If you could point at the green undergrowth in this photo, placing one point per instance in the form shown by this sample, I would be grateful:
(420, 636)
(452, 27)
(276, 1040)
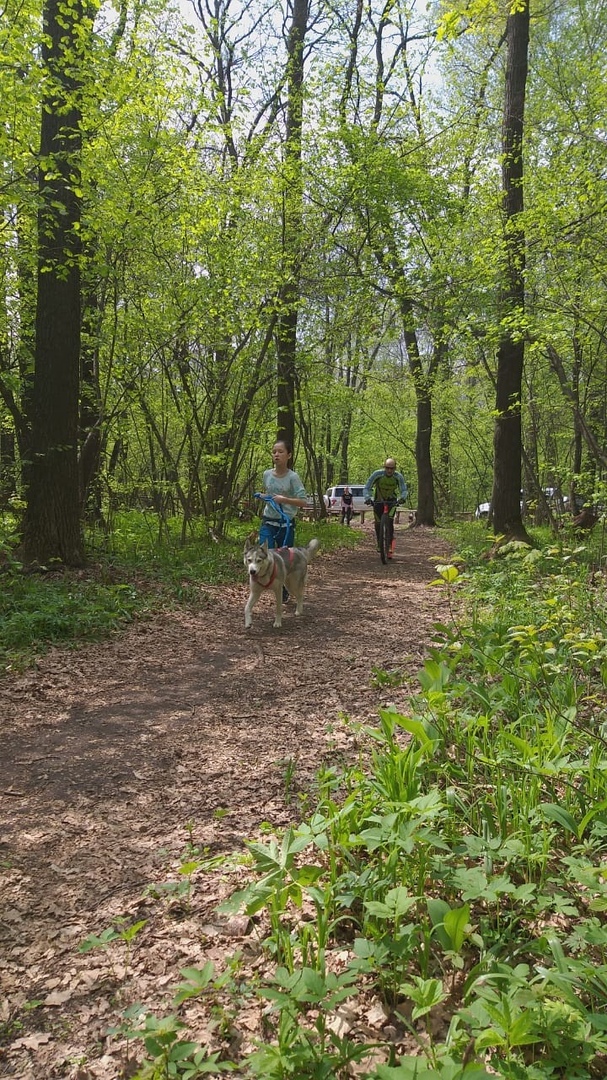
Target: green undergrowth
(455, 881)
(137, 568)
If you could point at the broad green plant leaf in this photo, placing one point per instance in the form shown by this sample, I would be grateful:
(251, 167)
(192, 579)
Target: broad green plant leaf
(449, 923)
(455, 922)
(416, 1068)
(597, 809)
(558, 814)
(396, 903)
(447, 575)
(424, 993)
(196, 980)
(416, 728)
(434, 676)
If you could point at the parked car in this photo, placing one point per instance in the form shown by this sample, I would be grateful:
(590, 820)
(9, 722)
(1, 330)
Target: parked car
(579, 503)
(314, 501)
(556, 501)
(482, 510)
(333, 498)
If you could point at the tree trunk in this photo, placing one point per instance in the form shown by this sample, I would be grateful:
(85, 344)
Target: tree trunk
(91, 439)
(286, 327)
(8, 466)
(52, 530)
(425, 479)
(444, 437)
(423, 383)
(507, 439)
(583, 431)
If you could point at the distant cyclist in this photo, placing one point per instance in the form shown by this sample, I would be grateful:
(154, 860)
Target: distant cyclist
(385, 485)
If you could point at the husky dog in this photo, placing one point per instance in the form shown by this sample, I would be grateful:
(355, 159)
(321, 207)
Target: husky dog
(273, 568)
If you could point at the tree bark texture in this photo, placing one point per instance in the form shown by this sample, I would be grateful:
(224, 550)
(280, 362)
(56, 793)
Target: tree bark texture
(507, 441)
(286, 327)
(423, 382)
(52, 530)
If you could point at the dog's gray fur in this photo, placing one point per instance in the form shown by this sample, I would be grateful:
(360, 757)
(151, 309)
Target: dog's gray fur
(270, 569)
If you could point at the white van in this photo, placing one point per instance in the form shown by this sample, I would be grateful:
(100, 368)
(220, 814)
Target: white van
(333, 498)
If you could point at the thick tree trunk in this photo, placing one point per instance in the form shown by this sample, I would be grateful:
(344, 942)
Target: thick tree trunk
(507, 440)
(52, 530)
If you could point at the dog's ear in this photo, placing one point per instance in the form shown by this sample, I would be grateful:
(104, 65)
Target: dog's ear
(250, 540)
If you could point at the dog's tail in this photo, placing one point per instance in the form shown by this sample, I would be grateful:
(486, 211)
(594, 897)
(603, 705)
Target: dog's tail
(312, 549)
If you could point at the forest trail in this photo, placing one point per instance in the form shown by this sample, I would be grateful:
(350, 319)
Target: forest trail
(182, 727)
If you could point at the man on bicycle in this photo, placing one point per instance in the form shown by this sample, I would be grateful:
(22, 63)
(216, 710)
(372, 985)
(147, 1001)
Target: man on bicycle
(385, 485)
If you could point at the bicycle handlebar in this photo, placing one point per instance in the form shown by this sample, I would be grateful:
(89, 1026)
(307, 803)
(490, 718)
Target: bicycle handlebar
(395, 502)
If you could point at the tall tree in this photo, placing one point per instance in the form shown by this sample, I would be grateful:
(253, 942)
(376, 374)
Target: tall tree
(52, 529)
(292, 200)
(507, 441)
(385, 139)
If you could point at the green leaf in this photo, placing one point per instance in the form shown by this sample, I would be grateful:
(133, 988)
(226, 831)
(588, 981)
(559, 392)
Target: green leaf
(129, 932)
(189, 868)
(424, 993)
(455, 922)
(521, 1032)
(553, 812)
(448, 573)
(598, 808)
(101, 942)
(197, 980)
(488, 1039)
(434, 676)
(399, 900)
(437, 909)
(308, 874)
(377, 908)
(415, 728)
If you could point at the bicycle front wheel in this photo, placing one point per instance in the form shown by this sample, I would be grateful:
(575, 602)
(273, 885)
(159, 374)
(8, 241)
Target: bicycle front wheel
(385, 536)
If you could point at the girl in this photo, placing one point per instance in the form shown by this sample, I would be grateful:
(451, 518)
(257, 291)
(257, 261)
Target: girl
(287, 490)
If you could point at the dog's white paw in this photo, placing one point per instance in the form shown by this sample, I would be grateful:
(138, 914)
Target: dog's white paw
(277, 624)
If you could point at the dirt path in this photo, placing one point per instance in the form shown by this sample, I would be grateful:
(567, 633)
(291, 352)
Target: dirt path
(184, 727)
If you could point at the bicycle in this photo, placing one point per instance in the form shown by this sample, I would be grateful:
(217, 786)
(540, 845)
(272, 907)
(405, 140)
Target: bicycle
(386, 526)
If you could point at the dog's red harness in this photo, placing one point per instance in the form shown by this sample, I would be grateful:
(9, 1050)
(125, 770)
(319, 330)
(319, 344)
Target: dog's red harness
(289, 560)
